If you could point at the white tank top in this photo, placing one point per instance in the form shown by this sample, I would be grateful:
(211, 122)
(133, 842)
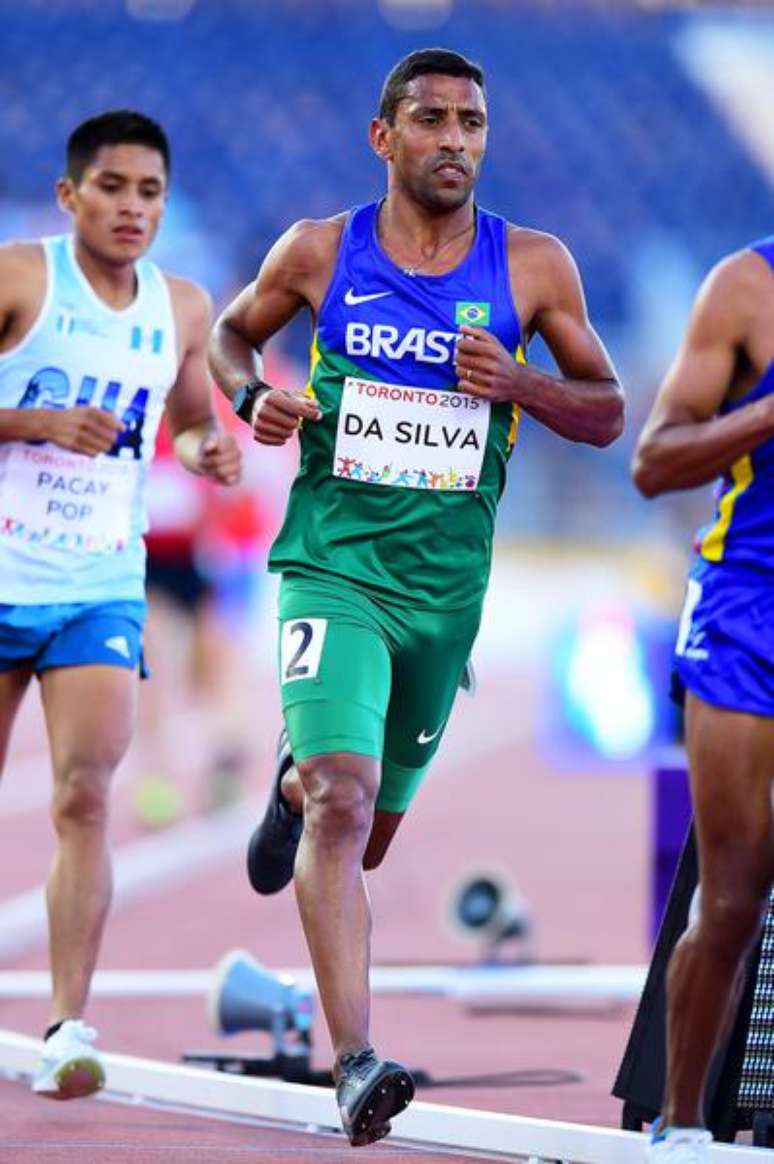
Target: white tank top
(70, 525)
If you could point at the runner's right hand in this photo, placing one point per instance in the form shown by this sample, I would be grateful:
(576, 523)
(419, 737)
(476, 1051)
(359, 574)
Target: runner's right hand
(83, 429)
(278, 414)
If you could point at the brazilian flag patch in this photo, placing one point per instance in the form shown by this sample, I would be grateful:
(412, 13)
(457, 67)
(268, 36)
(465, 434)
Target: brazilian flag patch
(474, 314)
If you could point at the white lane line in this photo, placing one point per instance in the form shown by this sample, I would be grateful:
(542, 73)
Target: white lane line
(500, 984)
(422, 1123)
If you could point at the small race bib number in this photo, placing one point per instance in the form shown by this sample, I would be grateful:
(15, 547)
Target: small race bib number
(55, 498)
(410, 438)
(301, 645)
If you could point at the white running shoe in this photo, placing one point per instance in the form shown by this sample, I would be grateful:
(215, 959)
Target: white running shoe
(679, 1146)
(70, 1066)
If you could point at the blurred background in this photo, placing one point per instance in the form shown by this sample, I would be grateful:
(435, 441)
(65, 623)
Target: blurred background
(639, 133)
(642, 135)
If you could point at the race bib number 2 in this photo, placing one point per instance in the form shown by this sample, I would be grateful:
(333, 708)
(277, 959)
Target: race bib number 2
(301, 646)
(410, 438)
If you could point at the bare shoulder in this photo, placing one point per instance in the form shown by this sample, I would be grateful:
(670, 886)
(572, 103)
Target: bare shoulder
(22, 289)
(741, 276)
(538, 250)
(190, 302)
(310, 242)
(732, 295)
(192, 310)
(24, 263)
(544, 277)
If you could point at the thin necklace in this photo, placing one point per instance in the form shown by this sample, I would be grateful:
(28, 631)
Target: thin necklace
(416, 268)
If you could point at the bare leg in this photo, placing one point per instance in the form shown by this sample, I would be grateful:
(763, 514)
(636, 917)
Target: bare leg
(384, 827)
(90, 714)
(383, 830)
(339, 794)
(731, 758)
(13, 685)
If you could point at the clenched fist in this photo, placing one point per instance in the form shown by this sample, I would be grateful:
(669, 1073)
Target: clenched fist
(278, 414)
(83, 429)
(220, 458)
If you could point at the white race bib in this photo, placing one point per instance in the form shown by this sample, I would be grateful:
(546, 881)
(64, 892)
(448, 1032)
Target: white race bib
(54, 498)
(412, 438)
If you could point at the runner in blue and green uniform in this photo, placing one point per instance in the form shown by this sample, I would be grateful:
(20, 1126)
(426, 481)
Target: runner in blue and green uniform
(422, 306)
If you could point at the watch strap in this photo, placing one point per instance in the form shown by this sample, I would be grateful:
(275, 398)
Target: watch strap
(243, 400)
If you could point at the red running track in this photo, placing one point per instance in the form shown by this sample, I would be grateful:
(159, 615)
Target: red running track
(575, 844)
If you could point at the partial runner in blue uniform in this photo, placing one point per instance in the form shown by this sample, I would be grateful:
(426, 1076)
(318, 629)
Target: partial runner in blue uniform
(714, 417)
(95, 343)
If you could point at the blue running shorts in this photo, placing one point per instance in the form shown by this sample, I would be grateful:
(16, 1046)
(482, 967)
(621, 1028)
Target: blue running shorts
(72, 634)
(725, 644)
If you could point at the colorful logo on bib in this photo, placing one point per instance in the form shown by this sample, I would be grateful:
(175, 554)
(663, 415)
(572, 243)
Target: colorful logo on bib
(474, 314)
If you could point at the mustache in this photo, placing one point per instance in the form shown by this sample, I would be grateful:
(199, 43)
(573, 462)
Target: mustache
(451, 160)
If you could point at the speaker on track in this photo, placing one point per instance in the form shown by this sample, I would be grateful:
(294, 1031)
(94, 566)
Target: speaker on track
(246, 996)
(484, 906)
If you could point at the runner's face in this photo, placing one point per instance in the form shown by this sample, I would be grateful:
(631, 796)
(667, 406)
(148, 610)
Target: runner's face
(118, 203)
(438, 140)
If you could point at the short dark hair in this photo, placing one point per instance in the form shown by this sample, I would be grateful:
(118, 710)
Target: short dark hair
(116, 127)
(416, 64)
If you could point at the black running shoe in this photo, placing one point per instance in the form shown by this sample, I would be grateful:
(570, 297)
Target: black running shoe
(271, 852)
(369, 1091)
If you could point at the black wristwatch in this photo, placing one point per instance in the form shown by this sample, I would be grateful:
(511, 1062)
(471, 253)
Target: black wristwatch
(243, 400)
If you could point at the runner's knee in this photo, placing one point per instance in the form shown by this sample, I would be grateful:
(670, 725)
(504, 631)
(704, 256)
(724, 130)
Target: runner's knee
(731, 919)
(81, 798)
(339, 795)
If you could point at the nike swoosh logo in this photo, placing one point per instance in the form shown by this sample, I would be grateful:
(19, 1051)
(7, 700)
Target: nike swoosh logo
(352, 300)
(424, 738)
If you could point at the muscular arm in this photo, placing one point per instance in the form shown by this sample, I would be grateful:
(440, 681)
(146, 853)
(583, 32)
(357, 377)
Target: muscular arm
(258, 312)
(294, 275)
(586, 402)
(200, 444)
(684, 442)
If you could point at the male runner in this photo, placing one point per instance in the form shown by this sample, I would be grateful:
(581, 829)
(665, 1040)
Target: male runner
(93, 341)
(714, 416)
(422, 305)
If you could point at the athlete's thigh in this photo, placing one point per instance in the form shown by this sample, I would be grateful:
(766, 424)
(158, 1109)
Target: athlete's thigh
(334, 670)
(731, 761)
(426, 675)
(90, 715)
(13, 685)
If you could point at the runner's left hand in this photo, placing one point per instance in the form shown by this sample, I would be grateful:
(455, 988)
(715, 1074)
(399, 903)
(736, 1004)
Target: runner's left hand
(484, 367)
(220, 458)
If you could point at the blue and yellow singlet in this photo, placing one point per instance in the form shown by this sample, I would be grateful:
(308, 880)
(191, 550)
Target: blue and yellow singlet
(742, 530)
